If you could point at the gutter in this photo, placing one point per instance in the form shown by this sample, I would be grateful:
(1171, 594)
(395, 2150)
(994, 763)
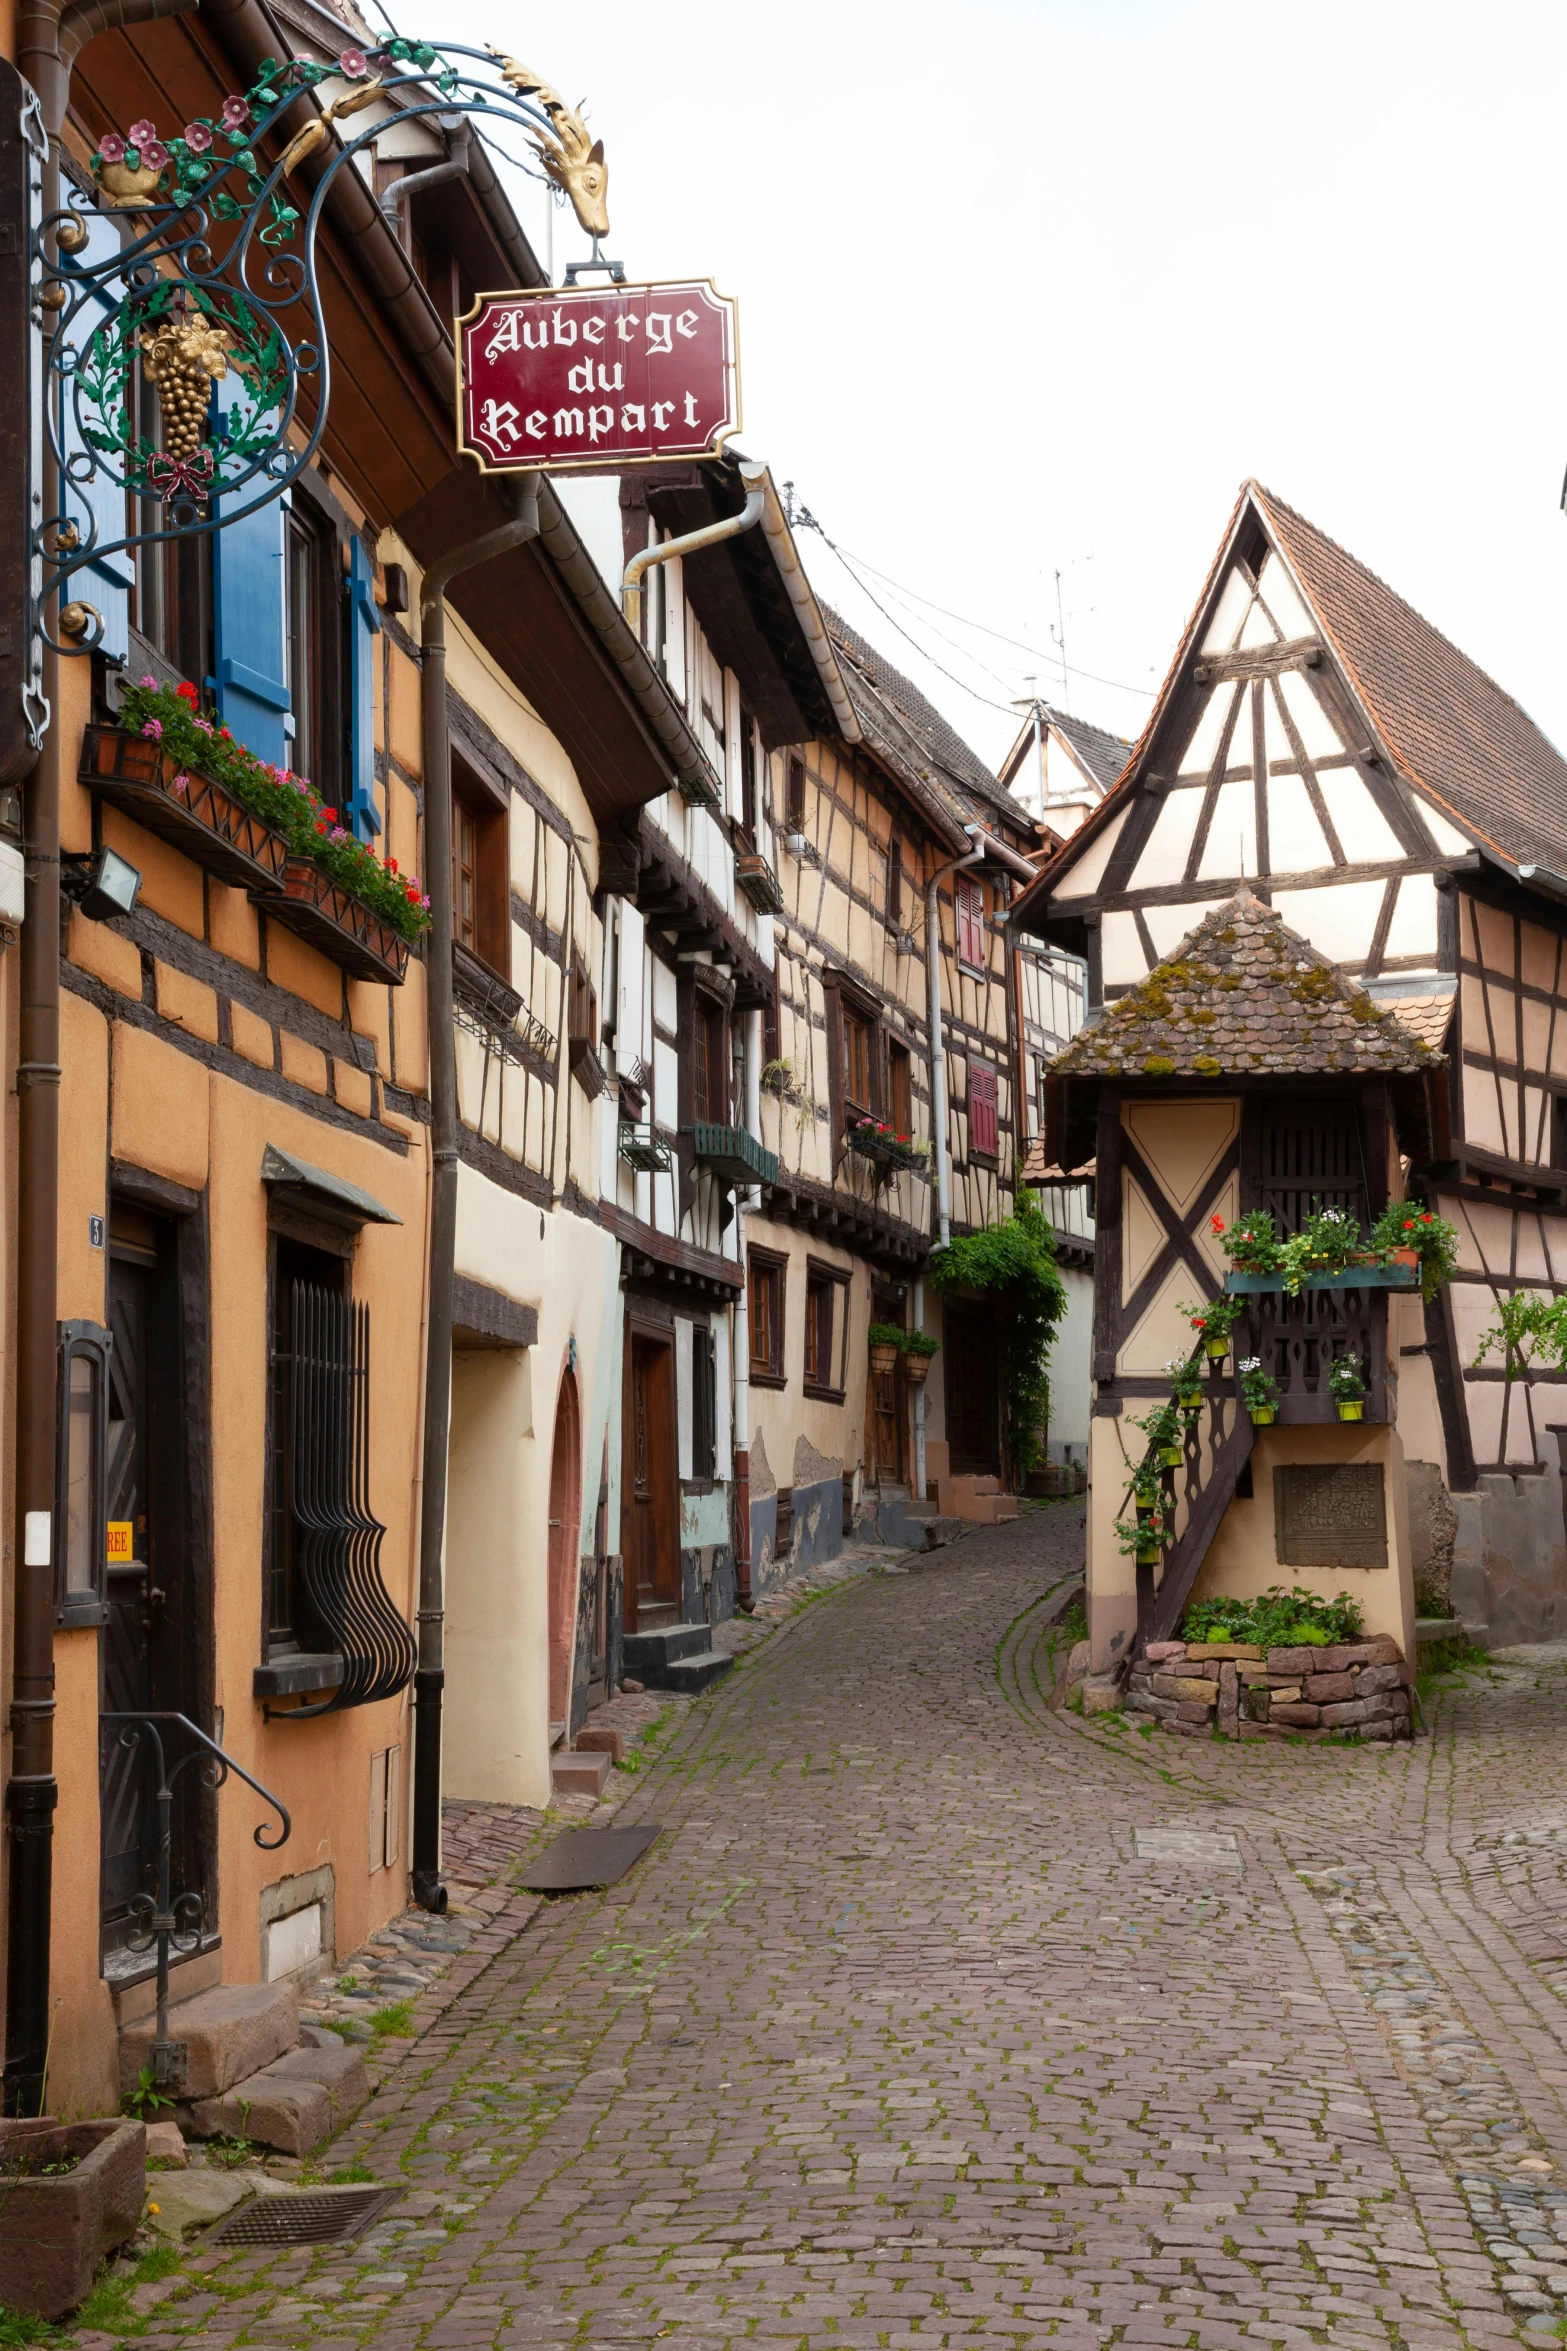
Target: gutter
(807, 611)
(938, 1043)
(430, 1673)
(710, 535)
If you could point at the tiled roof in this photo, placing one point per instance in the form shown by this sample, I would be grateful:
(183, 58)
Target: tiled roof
(1242, 994)
(1449, 726)
(1037, 1169)
(1426, 1017)
(1103, 754)
(889, 705)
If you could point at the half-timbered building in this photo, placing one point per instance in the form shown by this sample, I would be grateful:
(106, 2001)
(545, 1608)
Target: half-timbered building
(1318, 743)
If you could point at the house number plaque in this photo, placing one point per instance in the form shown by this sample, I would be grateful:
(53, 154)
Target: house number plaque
(1332, 1514)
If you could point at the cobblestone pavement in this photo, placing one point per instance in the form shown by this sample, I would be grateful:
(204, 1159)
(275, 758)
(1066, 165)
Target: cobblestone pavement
(936, 2016)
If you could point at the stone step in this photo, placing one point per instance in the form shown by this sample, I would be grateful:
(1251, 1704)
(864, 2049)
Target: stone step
(230, 2032)
(295, 2103)
(695, 1674)
(648, 1650)
(576, 1773)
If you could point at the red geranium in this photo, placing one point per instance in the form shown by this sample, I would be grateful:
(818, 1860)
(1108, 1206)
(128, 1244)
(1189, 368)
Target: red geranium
(187, 693)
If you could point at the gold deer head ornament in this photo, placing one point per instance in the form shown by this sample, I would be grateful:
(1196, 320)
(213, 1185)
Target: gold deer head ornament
(573, 161)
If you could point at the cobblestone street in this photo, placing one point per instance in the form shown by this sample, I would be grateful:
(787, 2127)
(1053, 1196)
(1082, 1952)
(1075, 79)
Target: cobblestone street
(935, 2016)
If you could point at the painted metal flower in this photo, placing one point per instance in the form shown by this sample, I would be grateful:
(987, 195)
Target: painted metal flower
(355, 64)
(235, 114)
(198, 137)
(154, 155)
(111, 147)
(143, 133)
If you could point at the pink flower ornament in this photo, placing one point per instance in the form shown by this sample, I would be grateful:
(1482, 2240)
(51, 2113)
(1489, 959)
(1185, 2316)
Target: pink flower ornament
(354, 63)
(143, 133)
(235, 114)
(198, 138)
(111, 147)
(154, 155)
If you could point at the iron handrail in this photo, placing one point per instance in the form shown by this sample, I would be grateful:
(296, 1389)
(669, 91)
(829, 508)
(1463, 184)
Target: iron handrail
(169, 1921)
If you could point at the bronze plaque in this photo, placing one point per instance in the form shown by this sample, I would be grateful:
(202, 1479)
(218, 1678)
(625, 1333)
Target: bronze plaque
(1330, 1514)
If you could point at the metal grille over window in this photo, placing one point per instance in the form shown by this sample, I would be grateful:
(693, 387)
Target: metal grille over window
(334, 1538)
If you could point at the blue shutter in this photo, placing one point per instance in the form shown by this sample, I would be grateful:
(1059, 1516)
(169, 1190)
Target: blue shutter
(107, 584)
(248, 590)
(364, 626)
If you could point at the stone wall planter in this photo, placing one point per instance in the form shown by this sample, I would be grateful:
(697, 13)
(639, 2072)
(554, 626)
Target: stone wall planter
(1358, 1689)
(346, 930)
(54, 2231)
(204, 820)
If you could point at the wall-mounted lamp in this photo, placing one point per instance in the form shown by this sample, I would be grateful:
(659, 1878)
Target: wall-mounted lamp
(103, 884)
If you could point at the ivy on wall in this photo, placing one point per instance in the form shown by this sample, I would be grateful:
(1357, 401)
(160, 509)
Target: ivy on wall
(1015, 1263)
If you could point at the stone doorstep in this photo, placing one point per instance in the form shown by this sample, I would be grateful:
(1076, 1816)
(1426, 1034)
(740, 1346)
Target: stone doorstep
(580, 1772)
(230, 2032)
(602, 1739)
(293, 2104)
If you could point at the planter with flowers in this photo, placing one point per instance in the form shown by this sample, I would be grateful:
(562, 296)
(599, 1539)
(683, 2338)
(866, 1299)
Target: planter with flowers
(918, 1348)
(1347, 1385)
(1163, 1431)
(1260, 1392)
(1184, 1374)
(1407, 1246)
(873, 1139)
(1213, 1323)
(886, 1345)
(181, 773)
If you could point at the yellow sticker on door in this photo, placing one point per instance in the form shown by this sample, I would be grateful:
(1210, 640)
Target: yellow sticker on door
(119, 1541)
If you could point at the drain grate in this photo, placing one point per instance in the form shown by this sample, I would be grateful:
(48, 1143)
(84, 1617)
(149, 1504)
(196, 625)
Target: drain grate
(313, 2216)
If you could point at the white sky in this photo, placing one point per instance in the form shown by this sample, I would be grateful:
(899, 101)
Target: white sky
(1028, 287)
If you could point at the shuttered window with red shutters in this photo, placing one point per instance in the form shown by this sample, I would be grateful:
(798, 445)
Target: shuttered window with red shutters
(982, 1134)
(969, 904)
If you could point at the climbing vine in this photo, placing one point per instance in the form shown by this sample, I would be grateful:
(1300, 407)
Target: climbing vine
(1015, 1262)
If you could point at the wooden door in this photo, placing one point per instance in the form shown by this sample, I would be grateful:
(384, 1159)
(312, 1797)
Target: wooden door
(128, 1846)
(969, 1343)
(650, 1484)
(565, 1520)
(885, 1406)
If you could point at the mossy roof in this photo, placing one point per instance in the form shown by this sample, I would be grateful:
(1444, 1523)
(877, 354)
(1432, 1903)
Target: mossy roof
(1244, 996)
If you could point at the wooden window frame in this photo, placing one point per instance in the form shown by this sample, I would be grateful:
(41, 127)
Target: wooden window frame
(710, 1022)
(984, 1089)
(900, 1082)
(769, 1371)
(895, 884)
(858, 1024)
(704, 1407)
(968, 922)
(819, 1276)
(480, 804)
(794, 794)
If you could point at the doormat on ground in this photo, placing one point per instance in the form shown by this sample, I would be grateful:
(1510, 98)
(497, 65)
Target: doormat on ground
(586, 1857)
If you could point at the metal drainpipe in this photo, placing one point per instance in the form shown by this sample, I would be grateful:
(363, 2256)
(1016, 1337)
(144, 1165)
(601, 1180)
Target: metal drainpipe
(48, 41)
(730, 528)
(938, 1051)
(751, 1197)
(430, 1676)
(454, 167)
(919, 1403)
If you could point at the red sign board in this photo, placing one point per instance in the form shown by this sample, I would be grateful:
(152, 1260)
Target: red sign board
(631, 375)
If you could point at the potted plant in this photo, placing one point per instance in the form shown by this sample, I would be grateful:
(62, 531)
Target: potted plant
(1163, 1430)
(1260, 1391)
(1184, 1374)
(918, 1348)
(1348, 1386)
(1408, 1234)
(1251, 1243)
(1213, 1324)
(1143, 1537)
(886, 1345)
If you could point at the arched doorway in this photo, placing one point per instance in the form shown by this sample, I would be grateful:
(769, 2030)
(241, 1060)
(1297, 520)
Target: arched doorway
(565, 1528)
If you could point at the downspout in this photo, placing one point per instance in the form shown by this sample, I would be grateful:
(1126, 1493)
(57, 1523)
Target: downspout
(730, 528)
(919, 1402)
(750, 1197)
(430, 1674)
(48, 40)
(453, 167)
(938, 1049)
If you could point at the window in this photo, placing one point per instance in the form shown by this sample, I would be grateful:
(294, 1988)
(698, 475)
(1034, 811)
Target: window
(750, 760)
(895, 885)
(826, 1330)
(982, 1131)
(766, 1317)
(969, 906)
(856, 1060)
(794, 794)
(298, 1271)
(481, 884)
(900, 1089)
(81, 1500)
(709, 1075)
(704, 1402)
(385, 1808)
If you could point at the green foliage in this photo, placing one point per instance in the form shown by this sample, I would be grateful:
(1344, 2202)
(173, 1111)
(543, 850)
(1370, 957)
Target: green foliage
(1258, 1387)
(394, 2022)
(1526, 1329)
(188, 738)
(1016, 1262)
(1278, 1620)
(886, 1334)
(1251, 1243)
(1162, 1428)
(143, 2102)
(1409, 1224)
(1217, 1319)
(1144, 1531)
(1346, 1380)
(20, 2326)
(921, 1343)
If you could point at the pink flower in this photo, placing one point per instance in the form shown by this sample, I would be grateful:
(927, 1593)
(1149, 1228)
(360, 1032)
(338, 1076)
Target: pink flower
(148, 680)
(425, 903)
(198, 138)
(235, 114)
(337, 834)
(354, 63)
(111, 147)
(154, 155)
(152, 728)
(143, 133)
(182, 784)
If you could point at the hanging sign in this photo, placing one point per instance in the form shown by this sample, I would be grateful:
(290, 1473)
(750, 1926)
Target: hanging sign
(631, 375)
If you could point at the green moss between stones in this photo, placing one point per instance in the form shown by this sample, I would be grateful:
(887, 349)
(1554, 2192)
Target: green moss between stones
(1207, 1067)
(1159, 1065)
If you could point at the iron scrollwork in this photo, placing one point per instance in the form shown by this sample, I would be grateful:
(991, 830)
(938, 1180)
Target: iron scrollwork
(185, 280)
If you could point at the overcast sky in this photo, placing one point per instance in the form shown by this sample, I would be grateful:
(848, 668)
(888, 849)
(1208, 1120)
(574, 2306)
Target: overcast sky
(1033, 288)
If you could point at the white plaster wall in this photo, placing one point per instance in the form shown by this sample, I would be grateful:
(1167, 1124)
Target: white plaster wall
(1071, 1359)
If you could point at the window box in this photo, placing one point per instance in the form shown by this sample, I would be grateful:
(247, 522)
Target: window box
(700, 792)
(586, 1067)
(205, 820)
(643, 1147)
(759, 882)
(288, 1674)
(887, 1151)
(733, 1154)
(1353, 1277)
(346, 930)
